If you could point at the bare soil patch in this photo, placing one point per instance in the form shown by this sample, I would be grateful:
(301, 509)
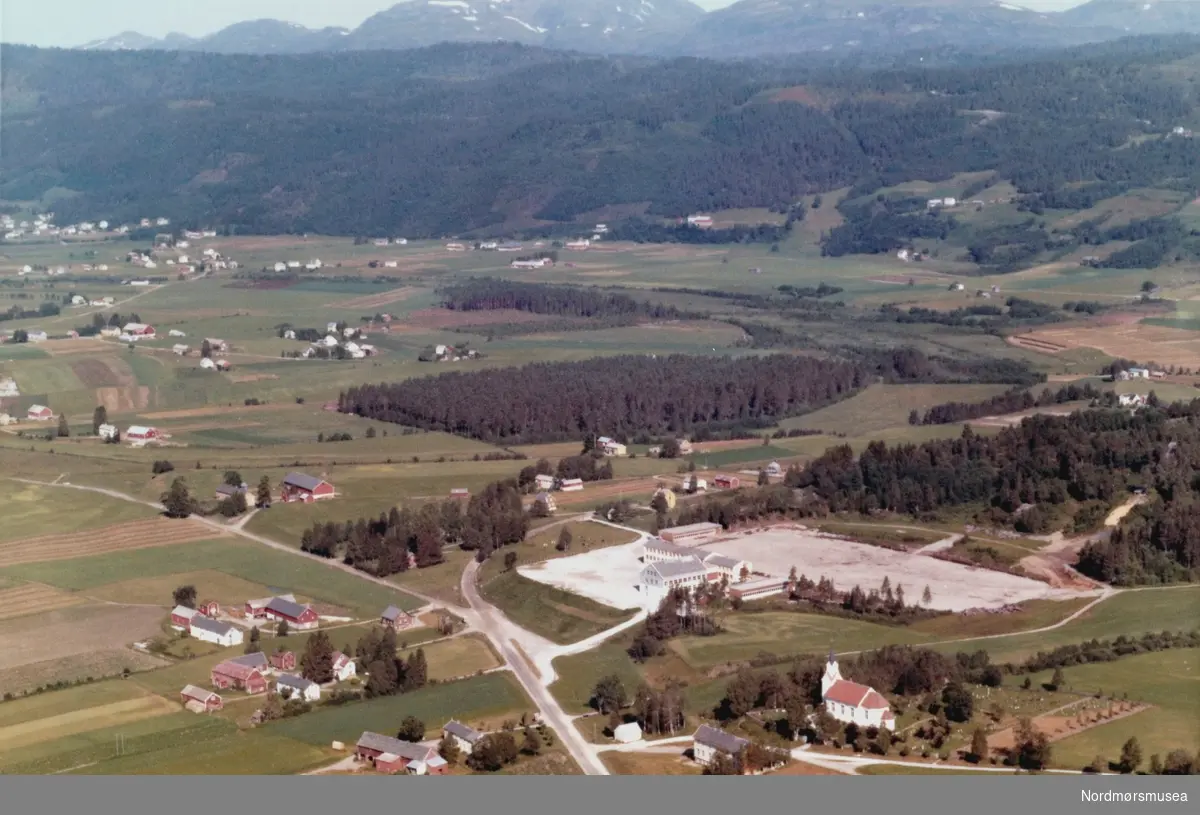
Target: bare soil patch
(605, 490)
(1075, 719)
(96, 373)
(34, 598)
(102, 662)
(133, 535)
(75, 631)
(797, 93)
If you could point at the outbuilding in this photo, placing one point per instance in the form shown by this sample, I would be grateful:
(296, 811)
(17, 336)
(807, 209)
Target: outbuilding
(200, 699)
(300, 617)
(300, 687)
(305, 489)
(215, 631)
(628, 733)
(394, 617)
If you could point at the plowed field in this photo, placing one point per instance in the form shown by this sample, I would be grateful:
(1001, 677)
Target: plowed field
(33, 598)
(132, 535)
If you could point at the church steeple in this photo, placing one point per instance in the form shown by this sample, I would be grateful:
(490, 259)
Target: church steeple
(832, 673)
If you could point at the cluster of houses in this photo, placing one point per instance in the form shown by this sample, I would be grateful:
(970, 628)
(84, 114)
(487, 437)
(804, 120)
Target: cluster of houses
(939, 203)
(448, 353)
(348, 338)
(1139, 373)
(548, 484)
(388, 755)
(251, 673)
(43, 226)
(293, 265)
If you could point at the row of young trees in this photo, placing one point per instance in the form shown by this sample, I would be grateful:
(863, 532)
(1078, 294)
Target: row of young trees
(410, 537)
(489, 294)
(628, 394)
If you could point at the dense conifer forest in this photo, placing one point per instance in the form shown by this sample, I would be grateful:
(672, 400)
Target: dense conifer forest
(616, 396)
(455, 137)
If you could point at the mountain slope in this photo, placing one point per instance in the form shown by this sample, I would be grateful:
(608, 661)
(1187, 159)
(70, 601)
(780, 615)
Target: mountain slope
(1137, 16)
(471, 137)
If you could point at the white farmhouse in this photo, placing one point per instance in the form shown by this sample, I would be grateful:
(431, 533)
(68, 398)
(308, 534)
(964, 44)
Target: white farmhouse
(710, 742)
(215, 631)
(107, 431)
(343, 667)
(300, 687)
(851, 702)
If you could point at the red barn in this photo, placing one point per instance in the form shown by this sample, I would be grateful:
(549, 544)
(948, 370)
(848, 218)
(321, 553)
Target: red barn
(39, 413)
(460, 493)
(181, 617)
(211, 608)
(257, 609)
(727, 482)
(297, 616)
(192, 695)
(283, 661)
(140, 433)
(240, 677)
(305, 488)
(393, 617)
(388, 755)
(139, 330)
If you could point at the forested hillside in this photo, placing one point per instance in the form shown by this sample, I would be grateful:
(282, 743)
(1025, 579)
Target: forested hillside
(459, 137)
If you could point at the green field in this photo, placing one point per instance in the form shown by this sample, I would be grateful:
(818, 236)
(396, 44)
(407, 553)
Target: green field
(33, 511)
(880, 407)
(557, 615)
(252, 562)
(741, 455)
(485, 700)
(578, 673)
(1168, 680)
(787, 633)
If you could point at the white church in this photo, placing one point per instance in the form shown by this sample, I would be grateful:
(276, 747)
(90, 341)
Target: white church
(851, 702)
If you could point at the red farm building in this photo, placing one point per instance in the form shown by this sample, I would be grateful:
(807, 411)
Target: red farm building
(726, 482)
(388, 755)
(198, 699)
(299, 617)
(283, 661)
(239, 677)
(305, 488)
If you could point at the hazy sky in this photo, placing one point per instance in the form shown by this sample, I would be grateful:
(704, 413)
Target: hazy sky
(74, 22)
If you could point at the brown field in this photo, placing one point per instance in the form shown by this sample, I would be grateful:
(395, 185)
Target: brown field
(96, 373)
(1071, 721)
(375, 300)
(132, 535)
(803, 768)
(1165, 346)
(75, 631)
(608, 490)
(33, 598)
(797, 93)
(83, 345)
(96, 664)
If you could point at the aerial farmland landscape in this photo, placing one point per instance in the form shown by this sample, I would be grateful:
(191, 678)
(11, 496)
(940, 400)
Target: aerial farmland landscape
(872, 455)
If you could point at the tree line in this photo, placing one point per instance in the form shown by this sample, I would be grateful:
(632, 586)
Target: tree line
(1012, 401)
(489, 294)
(408, 537)
(609, 396)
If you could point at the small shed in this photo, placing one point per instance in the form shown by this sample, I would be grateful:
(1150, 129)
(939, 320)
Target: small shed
(205, 700)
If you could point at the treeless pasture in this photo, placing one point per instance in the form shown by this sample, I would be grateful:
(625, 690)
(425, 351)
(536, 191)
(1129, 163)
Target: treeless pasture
(133, 535)
(33, 598)
(1145, 343)
(376, 300)
(82, 720)
(72, 632)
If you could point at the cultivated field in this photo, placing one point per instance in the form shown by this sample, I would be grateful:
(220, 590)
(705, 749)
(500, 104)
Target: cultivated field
(1134, 340)
(32, 598)
(153, 532)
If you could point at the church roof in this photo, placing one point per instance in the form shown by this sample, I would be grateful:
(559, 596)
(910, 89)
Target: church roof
(856, 695)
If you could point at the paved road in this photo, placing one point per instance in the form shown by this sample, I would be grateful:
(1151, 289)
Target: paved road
(502, 633)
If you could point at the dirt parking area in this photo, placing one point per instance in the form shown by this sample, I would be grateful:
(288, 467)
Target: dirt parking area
(609, 576)
(954, 587)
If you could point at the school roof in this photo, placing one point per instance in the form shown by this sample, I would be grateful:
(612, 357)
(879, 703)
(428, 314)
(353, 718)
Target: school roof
(674, 569)
(467, 734)
(720, 740)
(694, 529)
(724, 561)
(212, 626)
(302, 481)
(660, 545)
